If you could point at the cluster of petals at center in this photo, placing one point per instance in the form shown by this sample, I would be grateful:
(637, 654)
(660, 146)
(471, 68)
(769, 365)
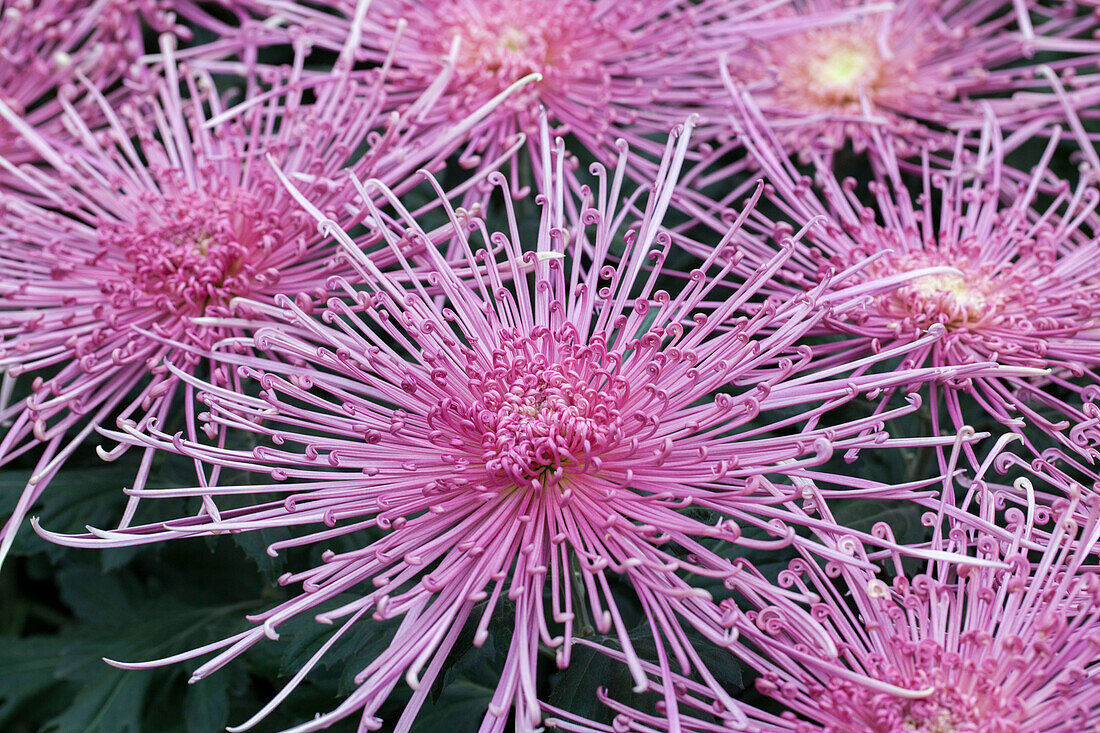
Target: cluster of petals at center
(547, 407)
(964, 297)
(187, 251)
(500, 42)
(952, 697)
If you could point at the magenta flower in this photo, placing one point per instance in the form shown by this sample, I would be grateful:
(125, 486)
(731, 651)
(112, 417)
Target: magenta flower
(1000, 632)
(609, 69)
(1011, 281)
(135, 243)
(50, 47)
(520, 416)
(915, 70)
(45, 46)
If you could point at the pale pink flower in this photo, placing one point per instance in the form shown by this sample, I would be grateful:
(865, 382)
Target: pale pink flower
(525, 422)
(44, 46)
(999, 632)
(136, 241)
(1012, 281)
(609, 69)
(48, 49)
(916, 70)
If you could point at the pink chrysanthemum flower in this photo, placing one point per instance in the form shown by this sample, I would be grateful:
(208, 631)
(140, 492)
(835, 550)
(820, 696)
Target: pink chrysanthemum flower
(915, 70)
(136, 241)
(526, 423)
(1004, 637)
(46, 48)
(608, 69)
(1011, 281)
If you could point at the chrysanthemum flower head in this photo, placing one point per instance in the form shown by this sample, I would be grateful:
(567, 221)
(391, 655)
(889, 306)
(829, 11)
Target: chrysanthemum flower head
(135, 242)
(998, 631)
(526, 422)
(608, 69)
(1006, 649)
(500, 42)
(1011, 281)
(44, 45)
(914, 70)
(1012, 646)
(49, 47)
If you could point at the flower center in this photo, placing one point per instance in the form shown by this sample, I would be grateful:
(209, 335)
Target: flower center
(952, 297)
(957, 704)
(827, 69)
(938, 720)
(958, 300)
(189, 253)
(845, 69)
(514, 41)
(539, 419)
(502, 41)
(502, 54)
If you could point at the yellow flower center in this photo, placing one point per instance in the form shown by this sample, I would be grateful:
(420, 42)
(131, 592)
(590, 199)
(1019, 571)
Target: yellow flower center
(845, 67)
(953, 296)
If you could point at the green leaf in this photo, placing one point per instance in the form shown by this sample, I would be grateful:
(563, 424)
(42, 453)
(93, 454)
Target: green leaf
(100, 599)
(73, 500)
(459, 709)
(575, 687)
(206, 706)
(255, 544)
(111, 702)
(722, 663)
(120, 617)
(303, 636)
(462, 692)
(904, 517)
(27, 671)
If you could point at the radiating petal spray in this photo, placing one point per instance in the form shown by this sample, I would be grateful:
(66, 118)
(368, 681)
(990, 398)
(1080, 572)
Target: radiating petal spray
(49, 47)
(525, 423)
(1012, 281)
(105, 282)
(1000, 632)
(610, 69)
(915, 70)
